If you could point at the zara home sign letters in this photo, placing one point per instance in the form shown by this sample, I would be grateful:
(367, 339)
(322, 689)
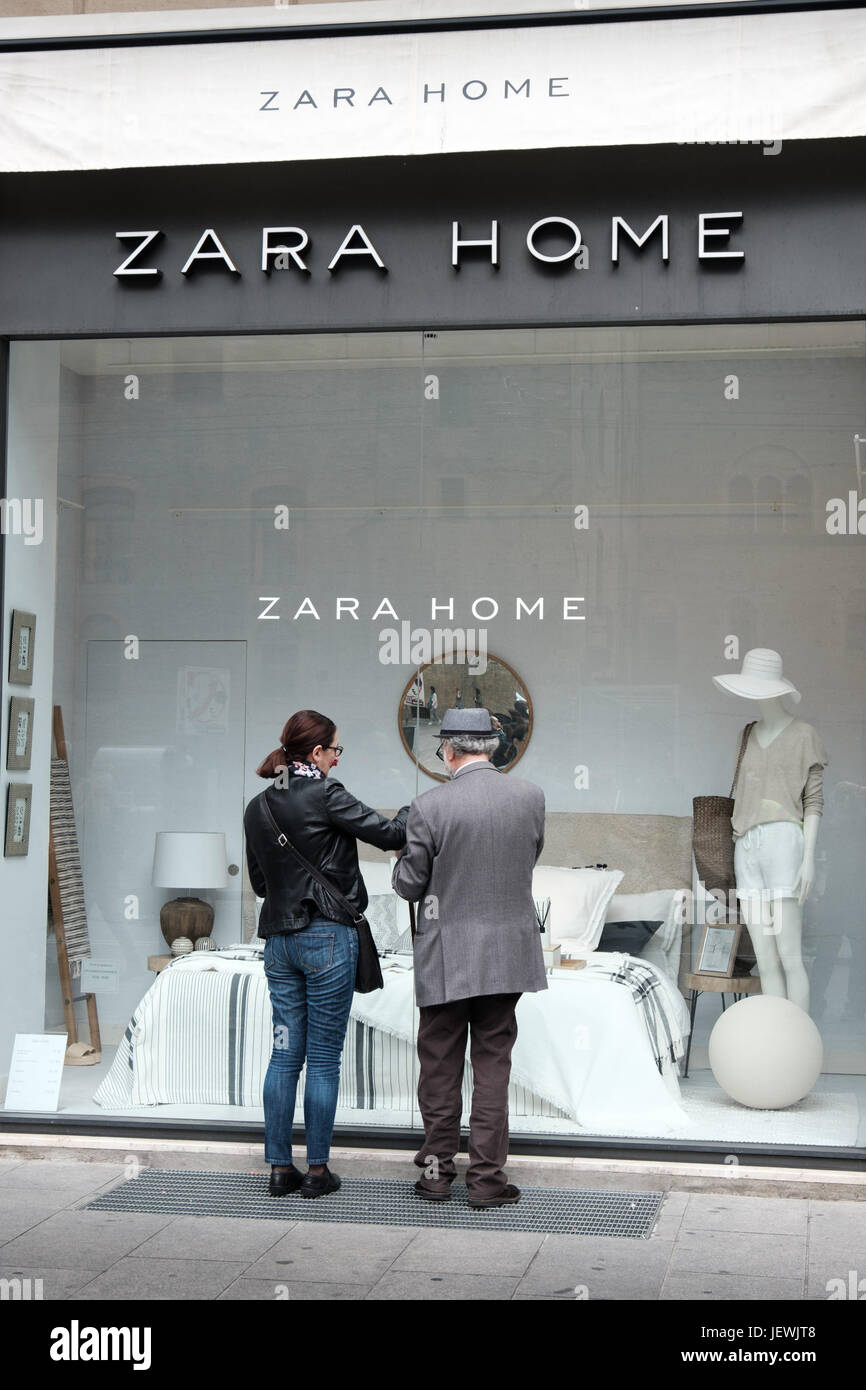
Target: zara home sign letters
(287, 248)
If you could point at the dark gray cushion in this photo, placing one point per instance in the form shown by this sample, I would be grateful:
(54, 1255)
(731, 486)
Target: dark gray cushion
(629, 937)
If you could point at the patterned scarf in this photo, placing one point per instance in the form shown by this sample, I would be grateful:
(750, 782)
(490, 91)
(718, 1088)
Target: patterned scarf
(306, 770)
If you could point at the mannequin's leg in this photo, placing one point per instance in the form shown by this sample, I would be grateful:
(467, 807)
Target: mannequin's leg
(764, 942)
(789, 920)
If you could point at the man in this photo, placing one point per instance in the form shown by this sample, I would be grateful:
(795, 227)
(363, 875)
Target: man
(471, 845)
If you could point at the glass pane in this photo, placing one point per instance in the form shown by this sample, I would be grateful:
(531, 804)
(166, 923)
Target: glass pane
(577, 529)
(662, 499)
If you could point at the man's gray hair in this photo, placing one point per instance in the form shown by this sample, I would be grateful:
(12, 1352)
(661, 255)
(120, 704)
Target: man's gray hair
(473, 743)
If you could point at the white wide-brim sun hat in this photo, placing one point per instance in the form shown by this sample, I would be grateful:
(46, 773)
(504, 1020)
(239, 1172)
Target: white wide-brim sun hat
(761, 678)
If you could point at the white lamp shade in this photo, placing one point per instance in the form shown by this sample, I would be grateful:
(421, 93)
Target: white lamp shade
(189, 859)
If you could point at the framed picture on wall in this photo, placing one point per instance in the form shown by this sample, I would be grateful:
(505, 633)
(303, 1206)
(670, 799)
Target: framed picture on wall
(21, 648)
(18, 819)
(718, 950)
(20, 733)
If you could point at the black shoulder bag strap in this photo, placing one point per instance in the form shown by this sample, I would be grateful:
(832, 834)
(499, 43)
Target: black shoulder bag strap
(285, 843)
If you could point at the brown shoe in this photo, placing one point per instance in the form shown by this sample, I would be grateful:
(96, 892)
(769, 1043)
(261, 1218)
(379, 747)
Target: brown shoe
(425, 1160)
(432, 1194)
(506, 1198)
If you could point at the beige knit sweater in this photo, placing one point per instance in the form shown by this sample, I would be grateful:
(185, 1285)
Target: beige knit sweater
(782, 781)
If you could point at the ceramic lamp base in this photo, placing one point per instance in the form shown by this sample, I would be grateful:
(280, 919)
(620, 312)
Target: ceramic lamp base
(190, 917)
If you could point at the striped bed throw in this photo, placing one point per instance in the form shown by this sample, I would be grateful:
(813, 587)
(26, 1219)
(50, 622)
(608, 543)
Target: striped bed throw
(69, 878)
(198, 1037)
(203, 1037)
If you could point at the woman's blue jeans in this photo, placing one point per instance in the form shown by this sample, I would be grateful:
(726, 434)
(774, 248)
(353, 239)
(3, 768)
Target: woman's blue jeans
(311, 978)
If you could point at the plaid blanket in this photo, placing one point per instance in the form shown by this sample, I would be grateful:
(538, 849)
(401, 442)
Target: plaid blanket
(662, 1021)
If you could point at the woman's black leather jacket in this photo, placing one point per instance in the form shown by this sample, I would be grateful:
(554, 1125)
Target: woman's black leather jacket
(324, 821)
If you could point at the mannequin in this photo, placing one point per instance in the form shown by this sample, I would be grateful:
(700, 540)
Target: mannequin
(778, 801)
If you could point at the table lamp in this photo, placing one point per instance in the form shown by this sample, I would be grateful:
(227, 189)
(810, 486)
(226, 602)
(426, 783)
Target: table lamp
(190, 858)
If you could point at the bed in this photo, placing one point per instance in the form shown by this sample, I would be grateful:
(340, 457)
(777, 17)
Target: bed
(598, 1051)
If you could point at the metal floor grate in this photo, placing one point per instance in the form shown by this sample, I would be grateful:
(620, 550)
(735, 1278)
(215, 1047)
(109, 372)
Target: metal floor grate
(384, 1202)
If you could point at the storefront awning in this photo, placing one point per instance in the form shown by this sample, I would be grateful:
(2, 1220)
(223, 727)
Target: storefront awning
(715, 79)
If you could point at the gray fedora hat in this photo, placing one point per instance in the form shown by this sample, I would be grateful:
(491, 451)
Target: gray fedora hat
(473, 722)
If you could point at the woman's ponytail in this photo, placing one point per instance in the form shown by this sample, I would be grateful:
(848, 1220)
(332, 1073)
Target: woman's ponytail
(301, 734)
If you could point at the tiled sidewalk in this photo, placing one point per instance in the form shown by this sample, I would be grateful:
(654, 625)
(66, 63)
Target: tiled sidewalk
(705, 1246)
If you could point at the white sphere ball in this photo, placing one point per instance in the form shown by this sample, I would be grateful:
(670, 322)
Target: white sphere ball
(181, 946)
(205, 943)
(766, 1052)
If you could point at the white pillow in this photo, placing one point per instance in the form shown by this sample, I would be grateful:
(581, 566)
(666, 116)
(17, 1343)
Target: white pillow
(376, 875)
(377, 880)
(579, 899)
(387, 928)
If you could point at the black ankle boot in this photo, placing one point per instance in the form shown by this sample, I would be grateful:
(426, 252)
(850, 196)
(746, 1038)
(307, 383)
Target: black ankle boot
(284, 1180)
(318, 1184)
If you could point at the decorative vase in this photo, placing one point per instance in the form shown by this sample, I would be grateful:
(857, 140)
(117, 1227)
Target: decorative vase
(186, 917)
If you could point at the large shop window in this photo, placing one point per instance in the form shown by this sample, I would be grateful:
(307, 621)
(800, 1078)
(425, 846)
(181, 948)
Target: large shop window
(578, 529)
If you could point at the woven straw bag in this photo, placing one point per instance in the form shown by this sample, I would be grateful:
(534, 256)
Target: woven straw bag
(712, 833)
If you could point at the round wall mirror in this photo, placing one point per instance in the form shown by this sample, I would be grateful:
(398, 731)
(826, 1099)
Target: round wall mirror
(461, 684)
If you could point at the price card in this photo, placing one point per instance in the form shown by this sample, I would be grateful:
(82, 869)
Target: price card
(99, 976)
(36, 1071)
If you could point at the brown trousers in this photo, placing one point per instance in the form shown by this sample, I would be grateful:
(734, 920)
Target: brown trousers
(492, 1027)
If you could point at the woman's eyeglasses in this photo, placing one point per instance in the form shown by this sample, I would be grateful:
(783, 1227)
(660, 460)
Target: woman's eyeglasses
(335, 748)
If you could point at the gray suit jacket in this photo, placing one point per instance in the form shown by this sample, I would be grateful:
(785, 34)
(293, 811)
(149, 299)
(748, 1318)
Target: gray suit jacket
(471, 845)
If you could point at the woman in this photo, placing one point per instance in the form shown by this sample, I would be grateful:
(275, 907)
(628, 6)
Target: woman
(310, 947)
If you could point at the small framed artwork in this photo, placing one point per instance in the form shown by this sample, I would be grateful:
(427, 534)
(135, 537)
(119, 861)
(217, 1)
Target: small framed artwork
(18, 819)
(718, 950)
(20, 733)
(21, 648)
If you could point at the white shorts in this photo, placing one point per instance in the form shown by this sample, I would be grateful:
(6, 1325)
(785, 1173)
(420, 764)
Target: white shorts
(767, 860)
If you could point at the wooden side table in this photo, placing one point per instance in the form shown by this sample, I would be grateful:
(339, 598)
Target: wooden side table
(158, 963)
(737, 985)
